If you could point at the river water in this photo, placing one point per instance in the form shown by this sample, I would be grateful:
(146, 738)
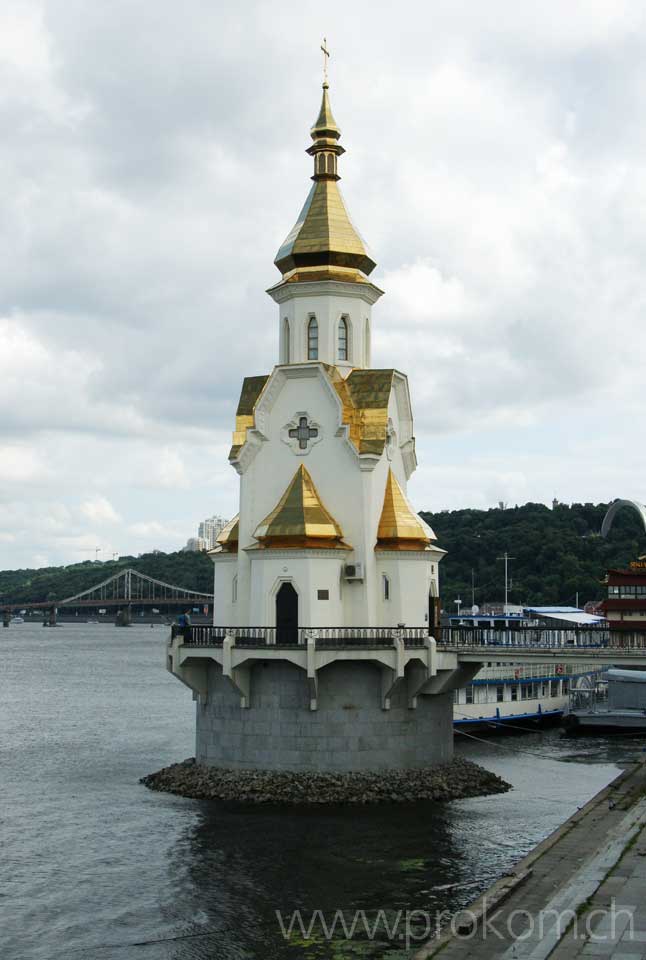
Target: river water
(96, 866)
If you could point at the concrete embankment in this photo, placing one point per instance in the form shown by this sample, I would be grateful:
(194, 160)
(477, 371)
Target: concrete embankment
(451, 781)
(579, 893)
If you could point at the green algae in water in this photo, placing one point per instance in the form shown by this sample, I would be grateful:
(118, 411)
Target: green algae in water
(416, 863)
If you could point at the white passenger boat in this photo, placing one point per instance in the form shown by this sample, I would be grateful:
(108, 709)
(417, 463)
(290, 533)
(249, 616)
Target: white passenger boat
(504, 694)
(507, 694)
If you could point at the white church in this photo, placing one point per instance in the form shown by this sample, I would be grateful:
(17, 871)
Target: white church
(326, 582)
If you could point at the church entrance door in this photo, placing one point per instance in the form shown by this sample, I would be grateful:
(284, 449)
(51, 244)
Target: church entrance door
(286, 614)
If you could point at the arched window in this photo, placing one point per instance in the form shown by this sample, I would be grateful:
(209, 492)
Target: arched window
(366, 343)
(286, 351)
(386, 586)
(342, 347)
(312, 339)
(234, 590)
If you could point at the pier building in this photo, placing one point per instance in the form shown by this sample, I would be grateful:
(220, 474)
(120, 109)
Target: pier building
(625, 605)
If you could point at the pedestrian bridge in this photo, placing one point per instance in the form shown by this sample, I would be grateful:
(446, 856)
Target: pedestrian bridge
(125, 589)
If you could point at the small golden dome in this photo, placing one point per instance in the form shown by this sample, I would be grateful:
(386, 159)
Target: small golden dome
(400, 528)
(227, 538)
(300, 519)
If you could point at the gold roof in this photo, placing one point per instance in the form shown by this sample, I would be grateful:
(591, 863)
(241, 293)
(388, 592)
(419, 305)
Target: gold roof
(252, 387)
(229, 534)
(399, 526)
(325, 125)
(299, 516)
(365, 395)
(324, 235)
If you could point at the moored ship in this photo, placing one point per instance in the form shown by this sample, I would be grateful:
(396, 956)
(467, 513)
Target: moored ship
(524, 694)
(505, 694)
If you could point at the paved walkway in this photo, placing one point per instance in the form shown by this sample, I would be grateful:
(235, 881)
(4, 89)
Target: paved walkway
(581, 893)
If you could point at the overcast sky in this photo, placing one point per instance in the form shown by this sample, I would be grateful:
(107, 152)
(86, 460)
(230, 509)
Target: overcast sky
(151, 163)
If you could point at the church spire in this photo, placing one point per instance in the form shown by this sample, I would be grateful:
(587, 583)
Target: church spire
(326, 147)
(324, 240)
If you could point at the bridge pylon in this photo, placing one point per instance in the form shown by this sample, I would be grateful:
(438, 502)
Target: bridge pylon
(124, 617)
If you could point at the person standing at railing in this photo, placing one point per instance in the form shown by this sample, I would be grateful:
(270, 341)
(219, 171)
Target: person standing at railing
(184, 624)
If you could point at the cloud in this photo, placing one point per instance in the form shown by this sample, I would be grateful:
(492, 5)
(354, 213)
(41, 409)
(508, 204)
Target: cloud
(155, 164)
(100, 511)
(19, 464)
(152, 528)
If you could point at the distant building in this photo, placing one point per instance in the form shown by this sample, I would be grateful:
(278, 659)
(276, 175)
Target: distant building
(194, 544)
(625, 606)
(209, 529)
(207, 534)
(594, 607)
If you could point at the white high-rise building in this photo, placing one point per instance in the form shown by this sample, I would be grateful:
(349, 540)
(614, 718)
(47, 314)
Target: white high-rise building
(209, 529)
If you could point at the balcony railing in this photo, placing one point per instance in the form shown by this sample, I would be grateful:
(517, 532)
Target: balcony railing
(200, 635)
(538, 637)
(326, 637)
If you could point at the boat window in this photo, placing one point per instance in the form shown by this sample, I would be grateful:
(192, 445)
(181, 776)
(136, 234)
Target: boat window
(514, 692)
(500, 694)
(469, 693)
(386, 585)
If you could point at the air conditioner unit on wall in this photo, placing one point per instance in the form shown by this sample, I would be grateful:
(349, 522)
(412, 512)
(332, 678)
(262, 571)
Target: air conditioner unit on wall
(353, 571)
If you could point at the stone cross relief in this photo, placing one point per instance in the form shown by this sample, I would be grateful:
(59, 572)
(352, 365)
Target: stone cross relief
(301, 433)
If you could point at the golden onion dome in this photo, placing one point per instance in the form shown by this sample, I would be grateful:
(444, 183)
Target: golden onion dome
(324, 236)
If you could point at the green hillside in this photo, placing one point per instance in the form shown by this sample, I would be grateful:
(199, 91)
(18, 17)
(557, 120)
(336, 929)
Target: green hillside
(191, 570)
(557, 553)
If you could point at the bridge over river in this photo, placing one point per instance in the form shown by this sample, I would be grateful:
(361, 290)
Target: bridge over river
(121, 592)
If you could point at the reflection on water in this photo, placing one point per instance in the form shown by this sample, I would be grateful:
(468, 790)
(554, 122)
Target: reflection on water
(97, 866)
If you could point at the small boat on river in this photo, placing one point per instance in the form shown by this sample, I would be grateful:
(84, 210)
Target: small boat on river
(617, 703)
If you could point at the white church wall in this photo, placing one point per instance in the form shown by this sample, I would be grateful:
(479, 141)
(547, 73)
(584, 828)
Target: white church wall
(225, 572)
(409, 583)
(311, 573)
(319, 301)
(330, 461)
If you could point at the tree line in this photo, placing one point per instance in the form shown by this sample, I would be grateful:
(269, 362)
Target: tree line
(557, 553)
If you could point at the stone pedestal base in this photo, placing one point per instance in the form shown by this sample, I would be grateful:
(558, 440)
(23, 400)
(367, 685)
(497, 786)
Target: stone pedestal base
(349, 731)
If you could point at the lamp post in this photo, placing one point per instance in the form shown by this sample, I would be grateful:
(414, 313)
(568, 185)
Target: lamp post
(506, 558)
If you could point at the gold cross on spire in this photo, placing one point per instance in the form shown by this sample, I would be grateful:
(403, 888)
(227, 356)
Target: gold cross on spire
(326, 57)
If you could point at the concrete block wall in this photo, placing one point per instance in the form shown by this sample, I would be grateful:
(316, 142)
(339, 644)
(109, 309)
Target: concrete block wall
(349, 731)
